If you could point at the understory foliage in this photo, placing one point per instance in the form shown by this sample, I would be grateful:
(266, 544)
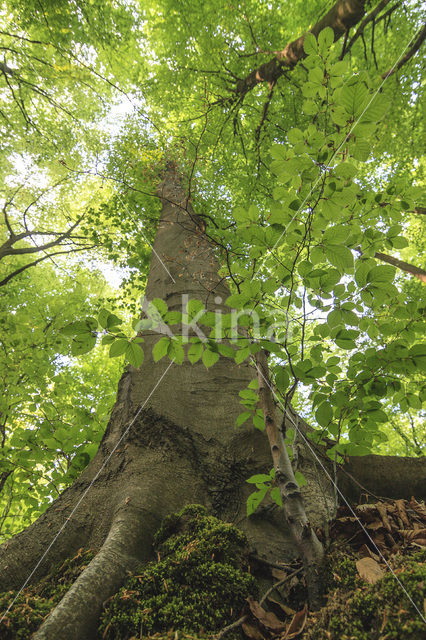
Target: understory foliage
(199, 583)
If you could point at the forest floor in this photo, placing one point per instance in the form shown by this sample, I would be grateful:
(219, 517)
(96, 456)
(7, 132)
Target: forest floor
(205, 581)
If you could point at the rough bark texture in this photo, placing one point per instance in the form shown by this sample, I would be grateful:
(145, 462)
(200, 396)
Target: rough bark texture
(165, 446)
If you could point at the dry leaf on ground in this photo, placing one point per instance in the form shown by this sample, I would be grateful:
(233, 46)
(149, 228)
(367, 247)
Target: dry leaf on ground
(369, 570)
(297, 624)
(267, 618)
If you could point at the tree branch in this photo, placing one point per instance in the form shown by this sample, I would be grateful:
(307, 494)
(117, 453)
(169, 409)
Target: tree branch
(341, 17)
(368, 18)
(32, 264)
(421, 35)
(303, 534)
(400, 264)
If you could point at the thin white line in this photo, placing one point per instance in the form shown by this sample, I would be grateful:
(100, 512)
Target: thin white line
(83, 496)
(146, 239)
(334, 154)
(288, 415)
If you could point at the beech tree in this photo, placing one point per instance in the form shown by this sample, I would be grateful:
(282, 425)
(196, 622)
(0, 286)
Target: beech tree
(261, 194)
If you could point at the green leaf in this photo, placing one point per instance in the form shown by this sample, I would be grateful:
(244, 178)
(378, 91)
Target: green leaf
(226, 350)
(80, 327)
(340, 256)
(195, 352)
(193, 307)
(176, 352)
(242, 354)
(325, 40)
(118, 348)
(381, 273)
(282, 379)
(300, 479)
(310, 44)
(259, 421)
(276, 496)
(316, 75)
(134, 354)
(209, 358)
(242, 418)
(324, 414)
(335, 318)
(160, 305)
(354, 96)
(255, 498)
(160, 348)
(82, 344)
(259, 478)
(339, 68)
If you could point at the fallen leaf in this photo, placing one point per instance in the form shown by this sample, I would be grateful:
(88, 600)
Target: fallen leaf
(418, 507)
(381, 508)
(369, 570)
(251, 631)
(414, 536)
(287, 610)
(367, 553)
(297, 624)
(267, 618)
(400, 505)
(377, 524)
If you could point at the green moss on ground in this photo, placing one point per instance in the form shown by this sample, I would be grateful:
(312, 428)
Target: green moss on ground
(357, 610)
(34, 603)
(198, 585)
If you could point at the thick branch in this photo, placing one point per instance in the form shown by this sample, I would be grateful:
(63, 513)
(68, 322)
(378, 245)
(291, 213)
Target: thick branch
(341, 17)
(405, 266)
(5, 69)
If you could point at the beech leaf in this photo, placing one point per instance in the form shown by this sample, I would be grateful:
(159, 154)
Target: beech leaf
(297, 624)
(267, 618)
(369, 570)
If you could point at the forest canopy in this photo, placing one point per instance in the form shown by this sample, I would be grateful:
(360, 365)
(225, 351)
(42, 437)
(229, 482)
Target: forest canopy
(304, 162)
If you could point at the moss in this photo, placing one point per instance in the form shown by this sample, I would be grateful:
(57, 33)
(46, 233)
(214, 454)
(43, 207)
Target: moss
(199, 584)
(34, 603)
(359, 611)
(343, 571)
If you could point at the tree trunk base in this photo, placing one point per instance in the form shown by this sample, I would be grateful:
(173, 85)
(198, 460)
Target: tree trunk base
(157, 469)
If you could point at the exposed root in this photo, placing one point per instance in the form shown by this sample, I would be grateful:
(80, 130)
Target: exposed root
(76, 616)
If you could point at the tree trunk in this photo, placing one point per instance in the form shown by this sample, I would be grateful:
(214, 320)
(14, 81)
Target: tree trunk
(170, 441)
